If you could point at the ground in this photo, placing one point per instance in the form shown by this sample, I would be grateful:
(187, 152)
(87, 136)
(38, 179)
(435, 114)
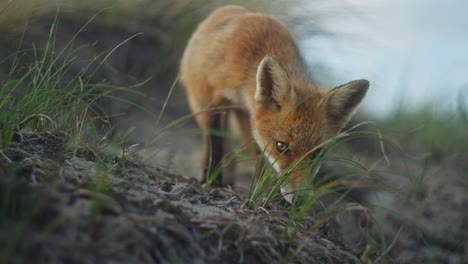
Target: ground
(70, 207)
(76, 207)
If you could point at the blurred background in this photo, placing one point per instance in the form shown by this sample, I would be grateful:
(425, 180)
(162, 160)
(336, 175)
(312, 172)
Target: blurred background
(413, 52)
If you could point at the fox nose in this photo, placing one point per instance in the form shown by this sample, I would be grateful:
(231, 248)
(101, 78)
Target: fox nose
(296, 197)
(303, 188)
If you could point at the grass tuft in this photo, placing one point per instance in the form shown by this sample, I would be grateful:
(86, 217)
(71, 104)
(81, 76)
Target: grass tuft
(38, 94)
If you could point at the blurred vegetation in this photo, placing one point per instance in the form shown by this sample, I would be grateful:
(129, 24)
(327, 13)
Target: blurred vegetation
(144, 40)
(441, 132)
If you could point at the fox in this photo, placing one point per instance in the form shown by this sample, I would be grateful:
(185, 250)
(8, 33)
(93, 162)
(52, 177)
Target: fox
(248, 65)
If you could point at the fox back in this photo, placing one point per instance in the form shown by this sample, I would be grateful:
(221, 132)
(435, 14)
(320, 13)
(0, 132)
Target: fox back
(249, 64)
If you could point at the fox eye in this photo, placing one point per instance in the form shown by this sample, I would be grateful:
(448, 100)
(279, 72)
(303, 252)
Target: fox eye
(282, 147)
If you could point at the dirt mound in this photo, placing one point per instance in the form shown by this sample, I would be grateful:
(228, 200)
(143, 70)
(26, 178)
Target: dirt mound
(74, 207)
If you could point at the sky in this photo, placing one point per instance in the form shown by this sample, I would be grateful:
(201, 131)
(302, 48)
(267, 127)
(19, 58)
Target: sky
(412, 52)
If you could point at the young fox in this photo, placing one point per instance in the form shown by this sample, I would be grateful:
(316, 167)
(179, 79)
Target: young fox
(249, 64)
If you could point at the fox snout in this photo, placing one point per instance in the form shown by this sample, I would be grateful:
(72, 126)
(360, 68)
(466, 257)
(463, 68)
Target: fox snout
(299, 180)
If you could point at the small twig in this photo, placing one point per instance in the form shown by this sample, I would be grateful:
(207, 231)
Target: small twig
(42, 116)
(267, 213)
(4, 157)
(382, 148)
(230, 200)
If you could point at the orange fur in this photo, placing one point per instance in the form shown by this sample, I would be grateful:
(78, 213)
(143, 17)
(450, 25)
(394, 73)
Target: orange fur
(250, 62)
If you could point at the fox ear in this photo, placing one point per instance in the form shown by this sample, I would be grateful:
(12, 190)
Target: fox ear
(341, 101)
(274, 88)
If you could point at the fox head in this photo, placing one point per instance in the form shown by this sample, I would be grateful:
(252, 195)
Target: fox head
(293, 120)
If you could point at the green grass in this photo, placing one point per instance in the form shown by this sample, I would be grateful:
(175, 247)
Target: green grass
(39, 94)
(34, 96)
